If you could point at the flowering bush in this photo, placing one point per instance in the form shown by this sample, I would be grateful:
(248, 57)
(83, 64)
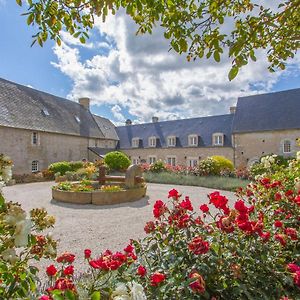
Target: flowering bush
(111, 188)
(117, 160)
(21, 242)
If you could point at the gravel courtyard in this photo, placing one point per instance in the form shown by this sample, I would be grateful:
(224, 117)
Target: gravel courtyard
(98, 227)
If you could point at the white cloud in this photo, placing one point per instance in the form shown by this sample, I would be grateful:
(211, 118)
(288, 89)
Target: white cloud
(141, 76)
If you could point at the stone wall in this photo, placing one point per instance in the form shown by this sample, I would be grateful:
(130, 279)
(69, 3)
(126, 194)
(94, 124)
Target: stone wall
(181, 154)
(51, 147)
(249, 147)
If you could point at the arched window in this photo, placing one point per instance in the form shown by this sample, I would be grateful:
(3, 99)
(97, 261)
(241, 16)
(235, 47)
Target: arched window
(287, 146)
(35, 166)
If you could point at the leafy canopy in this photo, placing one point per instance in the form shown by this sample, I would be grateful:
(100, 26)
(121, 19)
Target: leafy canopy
(198, 28)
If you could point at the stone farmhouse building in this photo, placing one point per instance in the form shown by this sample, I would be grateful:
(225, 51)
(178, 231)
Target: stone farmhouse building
(37, 129)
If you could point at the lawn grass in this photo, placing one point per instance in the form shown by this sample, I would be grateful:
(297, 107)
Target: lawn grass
(214, 182)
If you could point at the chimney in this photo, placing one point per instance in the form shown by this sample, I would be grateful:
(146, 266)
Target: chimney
(232, 109)
(154, 119)
(128, 122)
(85, 102)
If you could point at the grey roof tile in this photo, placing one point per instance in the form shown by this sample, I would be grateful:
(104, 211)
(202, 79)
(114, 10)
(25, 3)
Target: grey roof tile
(22, 107)
(107, 127)
(204, 127)
(273, 111)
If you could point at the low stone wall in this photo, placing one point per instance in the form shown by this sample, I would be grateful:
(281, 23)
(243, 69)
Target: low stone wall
(99, 197)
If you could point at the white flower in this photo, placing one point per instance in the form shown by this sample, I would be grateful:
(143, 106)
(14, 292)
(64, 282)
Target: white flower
(9, 255)
(121, 293)
(14, 215)
(137, 291)
(22, 232)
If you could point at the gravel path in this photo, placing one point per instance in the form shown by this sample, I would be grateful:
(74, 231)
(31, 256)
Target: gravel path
(98, 227)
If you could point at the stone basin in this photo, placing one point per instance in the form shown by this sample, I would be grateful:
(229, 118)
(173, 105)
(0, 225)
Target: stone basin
(98, 197)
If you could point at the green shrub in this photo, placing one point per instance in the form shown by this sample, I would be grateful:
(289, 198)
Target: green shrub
(117, 160)
(62, 167)
(223, 164)
(158, 166)
(207, 167)
(75, 165)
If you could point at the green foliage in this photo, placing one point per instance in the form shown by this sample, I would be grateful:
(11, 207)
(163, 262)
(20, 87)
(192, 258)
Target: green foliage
(76, 165)
(222, 163)
(82, 186)
(60, 167)
(117, 160)
(158, 166)
(214, 182)
(111, 188)
(197, 29)
(207, 167)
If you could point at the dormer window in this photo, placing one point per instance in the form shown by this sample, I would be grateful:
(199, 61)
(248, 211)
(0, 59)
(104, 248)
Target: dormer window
(135, 143)
(45, 112)
(193, 140)
(171, 141)
(218, 139)
(152, 141)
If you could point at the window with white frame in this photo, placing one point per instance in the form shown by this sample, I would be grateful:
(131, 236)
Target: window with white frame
(34, 166)
(35, 138)
(171, 141)
(152, 159)
(218, 139)
(193, 140)
(135, 142)
(135, 160)
(152, 141)
(171, 160)
(287, 146)
(192, 161)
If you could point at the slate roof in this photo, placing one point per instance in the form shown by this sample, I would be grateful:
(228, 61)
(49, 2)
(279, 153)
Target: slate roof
(27, 108)
(273, 111)
(107, 127)
(204, 127)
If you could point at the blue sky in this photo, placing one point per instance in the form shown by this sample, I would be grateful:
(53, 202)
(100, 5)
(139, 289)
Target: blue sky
(127, 76)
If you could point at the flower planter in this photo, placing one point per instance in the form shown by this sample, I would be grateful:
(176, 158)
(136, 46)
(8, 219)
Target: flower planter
(99, 197)
(72, 197)
(108, 198)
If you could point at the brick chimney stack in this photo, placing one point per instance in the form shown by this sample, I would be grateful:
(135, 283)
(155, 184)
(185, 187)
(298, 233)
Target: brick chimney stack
(128, 122)
(154, 119)
(232, 109)
(85, 102)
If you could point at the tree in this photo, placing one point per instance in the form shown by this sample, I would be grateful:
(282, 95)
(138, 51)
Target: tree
(199, 28)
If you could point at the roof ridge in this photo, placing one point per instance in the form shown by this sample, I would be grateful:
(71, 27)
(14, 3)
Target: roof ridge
(166, 121)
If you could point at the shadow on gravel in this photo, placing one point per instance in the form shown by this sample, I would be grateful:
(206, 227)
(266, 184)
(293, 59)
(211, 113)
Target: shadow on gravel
(136, 204)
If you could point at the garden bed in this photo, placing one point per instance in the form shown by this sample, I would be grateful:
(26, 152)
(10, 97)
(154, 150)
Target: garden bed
(214, 182)
(99, 197)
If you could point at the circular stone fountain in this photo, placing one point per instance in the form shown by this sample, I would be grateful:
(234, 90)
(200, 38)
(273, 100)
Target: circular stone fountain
(133, 184)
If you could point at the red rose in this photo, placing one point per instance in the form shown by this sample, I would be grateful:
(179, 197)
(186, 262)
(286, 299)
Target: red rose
(219, 201)
(198, 286)
(69, 270)
(278, 224)
(174, 194)
(141, 270)
(281, 239)
(44, 297)
(277, 196)
(297, 278)
(204, 208)
(157, 278)
(265, 236)
(241, 207)
(293, 268)
(292, 233)
(149, 227)
(87, 253)
(51, 270)
(186, 204)
(198, 246)
(159, 208)
(129, 249)
(64, 284)
(66, 258)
